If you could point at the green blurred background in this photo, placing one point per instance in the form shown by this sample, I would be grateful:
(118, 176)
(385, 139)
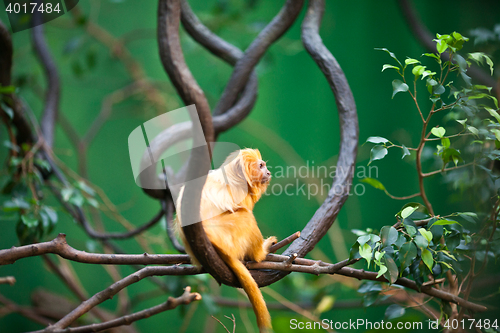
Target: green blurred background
(294, 122)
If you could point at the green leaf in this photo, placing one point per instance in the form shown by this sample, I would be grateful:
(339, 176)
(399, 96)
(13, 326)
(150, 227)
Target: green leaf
(77, 199)
(407, 254)
(29, 221)
(433, 55)
(66, 193)
(426, 234)
(394, 311)
(408, 211)
(392, 269)
(398, 86)
(480, 57)
(382, 270)
(438, 89)
(365, 252)
(376, 139)
(377, 153)
(418, 70)
(438, 131)
(8, 110)
(473, 130)
(441, 46)
(393, 56)
(411, 61)
(493, 113)
(462, 122)
(410, 230)
(444, 222)
(406, 152)
(427, 258)
(388, 235)
(363, 239)
(461, 62)
(386, 66)
(325, 304)
(421, 242)
(51, 213)
(445, 142)
(93, 202)
(497, 133)
(15, 204)
(373, 182)
(84, 187)
(490, 63)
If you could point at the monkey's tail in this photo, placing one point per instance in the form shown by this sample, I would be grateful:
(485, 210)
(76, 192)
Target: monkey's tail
(253, 292)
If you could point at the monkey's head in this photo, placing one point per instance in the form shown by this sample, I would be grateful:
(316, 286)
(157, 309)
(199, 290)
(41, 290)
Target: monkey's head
(255, 169)
(247, 166)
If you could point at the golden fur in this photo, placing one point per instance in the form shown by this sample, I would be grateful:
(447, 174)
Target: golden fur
(228, 220)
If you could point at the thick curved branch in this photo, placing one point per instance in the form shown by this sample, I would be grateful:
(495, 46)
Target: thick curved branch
(324, 217)
(51, 108)
(173, 61)
(245, 65)
(222, 122)
(229, 53)
(186, 298)
(425, 37)
(60, 247)
(172, 58)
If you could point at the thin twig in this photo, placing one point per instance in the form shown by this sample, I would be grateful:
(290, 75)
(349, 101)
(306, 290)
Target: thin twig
(186, 298)
(8, 279)
(284, 242)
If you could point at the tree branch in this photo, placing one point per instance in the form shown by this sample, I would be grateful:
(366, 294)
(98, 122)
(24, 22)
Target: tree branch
(245, 65)
(52, 96)
(173, 61)
(186, 298)
(60, 247)
(425, 37)
(277, 263)
(363, 275)
(229, 53)
(172, 58)
(326, 214)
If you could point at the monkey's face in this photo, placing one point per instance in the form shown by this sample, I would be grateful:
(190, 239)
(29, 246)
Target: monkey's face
(255, 169)
(259, 174)
(265, 174)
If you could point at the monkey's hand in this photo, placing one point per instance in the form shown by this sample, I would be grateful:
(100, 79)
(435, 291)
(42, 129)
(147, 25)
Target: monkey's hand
(270, 242)
(260, 253)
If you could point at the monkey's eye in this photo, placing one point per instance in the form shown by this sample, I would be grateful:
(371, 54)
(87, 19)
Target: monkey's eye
(261, 165)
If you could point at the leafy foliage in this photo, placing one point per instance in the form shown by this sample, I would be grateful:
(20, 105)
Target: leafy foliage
(422, 245)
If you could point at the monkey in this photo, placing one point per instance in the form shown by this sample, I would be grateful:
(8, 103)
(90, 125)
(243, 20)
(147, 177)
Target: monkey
(226, 209)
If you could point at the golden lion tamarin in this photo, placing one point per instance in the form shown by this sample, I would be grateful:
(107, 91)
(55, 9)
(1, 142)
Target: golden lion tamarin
(227, 201)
